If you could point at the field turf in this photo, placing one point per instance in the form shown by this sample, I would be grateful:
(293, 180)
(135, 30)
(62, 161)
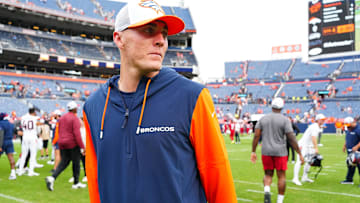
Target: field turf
(247, 179)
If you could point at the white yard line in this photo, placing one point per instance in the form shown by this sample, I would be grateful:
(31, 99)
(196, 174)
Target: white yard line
(303, 189)
(13, 198)
(329, 170)
(244, 200)
(256, 191)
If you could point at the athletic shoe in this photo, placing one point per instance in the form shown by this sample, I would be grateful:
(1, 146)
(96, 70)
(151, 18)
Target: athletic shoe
(71, 180)
(307, 180)
(50, 183)
(32, 173)
(347, 182)
(38, 165)
(296, 182)
(20, 172)
(267, 197)
(84, 179)
(78, 185)
(51, 162)
(292, 162)
(12, 177)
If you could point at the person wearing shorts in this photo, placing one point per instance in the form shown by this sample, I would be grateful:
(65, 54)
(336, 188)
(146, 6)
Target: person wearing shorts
(275, 129)
(7, 131)
(45, 135)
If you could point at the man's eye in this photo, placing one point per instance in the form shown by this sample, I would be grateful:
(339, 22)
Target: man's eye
(164, 33)
(150, 30)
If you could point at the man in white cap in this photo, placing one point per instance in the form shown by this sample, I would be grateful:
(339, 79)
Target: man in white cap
(70, 145)
(153, 135)
(275, 129)
(352, 144)
(309, 147)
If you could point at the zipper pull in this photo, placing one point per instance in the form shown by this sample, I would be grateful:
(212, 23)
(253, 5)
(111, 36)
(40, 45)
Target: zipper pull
(101, 134)
(126, 118)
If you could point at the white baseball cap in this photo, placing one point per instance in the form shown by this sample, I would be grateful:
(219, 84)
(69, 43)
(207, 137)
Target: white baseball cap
(57, 112)
(71, 105)
(319, 117)
(348, 120)
(277, 103)
(140, 12)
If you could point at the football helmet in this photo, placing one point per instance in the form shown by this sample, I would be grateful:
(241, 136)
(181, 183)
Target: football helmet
(316, 160)
(353, 158)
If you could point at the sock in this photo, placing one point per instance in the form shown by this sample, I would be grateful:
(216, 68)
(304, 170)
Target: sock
(297, 169)
(306, 171)
(12, 172)
(267, 188)
(280, 198)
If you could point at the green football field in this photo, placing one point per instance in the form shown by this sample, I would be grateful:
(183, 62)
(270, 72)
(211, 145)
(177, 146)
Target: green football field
(247, 179)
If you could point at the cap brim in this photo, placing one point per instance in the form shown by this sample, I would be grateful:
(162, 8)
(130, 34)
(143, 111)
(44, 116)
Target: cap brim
(174, 24)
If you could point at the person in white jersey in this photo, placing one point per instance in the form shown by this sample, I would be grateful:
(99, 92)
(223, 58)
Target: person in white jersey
(309, 147)
(29, 124)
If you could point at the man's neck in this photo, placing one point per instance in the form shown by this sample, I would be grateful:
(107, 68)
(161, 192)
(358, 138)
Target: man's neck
(129, 80)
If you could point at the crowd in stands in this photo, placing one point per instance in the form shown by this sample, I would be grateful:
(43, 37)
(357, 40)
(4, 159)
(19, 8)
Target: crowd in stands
(100, 9)
(36, 88)
(54, 44)
(17, 93)
(250, 86)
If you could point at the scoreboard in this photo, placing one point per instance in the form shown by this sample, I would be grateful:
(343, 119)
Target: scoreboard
(332, 28)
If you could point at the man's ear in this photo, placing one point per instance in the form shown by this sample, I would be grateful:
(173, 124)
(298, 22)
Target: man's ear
(118, 40)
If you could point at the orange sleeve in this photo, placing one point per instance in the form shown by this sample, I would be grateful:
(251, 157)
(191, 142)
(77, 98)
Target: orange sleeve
(91, 165)
(56, 136)
(210, 152)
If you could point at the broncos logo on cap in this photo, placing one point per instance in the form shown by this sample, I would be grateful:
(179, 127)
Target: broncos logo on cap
(153, 5)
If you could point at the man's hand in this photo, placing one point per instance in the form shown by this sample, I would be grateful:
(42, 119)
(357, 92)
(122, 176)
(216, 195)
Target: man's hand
(0, 149)
(316, 150)
(302, 159)
(83, 152)
(344, 149)
(355, 148)
(253, 157)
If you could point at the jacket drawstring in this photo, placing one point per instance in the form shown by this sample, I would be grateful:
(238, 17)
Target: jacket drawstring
(141, 114)
(104, 112)
(143, 107)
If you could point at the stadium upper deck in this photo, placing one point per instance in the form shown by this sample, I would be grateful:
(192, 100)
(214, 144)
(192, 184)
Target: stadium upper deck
(77, 35)
(97, 11)
(332, 88)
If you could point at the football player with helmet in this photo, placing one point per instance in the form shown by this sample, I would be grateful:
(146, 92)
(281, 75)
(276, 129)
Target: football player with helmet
(309, 148)
(352, 146)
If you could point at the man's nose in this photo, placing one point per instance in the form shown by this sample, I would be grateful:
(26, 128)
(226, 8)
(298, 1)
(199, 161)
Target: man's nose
(160, 39)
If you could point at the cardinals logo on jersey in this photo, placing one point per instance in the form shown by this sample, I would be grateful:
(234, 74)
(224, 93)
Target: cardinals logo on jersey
(153, 5)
